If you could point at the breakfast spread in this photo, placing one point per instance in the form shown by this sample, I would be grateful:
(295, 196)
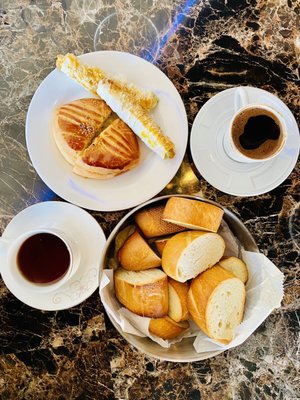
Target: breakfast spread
(99, 136)
(171, 276)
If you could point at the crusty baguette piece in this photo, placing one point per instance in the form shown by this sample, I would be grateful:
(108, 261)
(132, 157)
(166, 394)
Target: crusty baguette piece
(136, 118)
(166, 328)
(137, 255)
(151, 223)
(160, 245)
(114, 151)
(193, 214)
(144, 292)
(77, 123)
(236, 266)
(178, 291)
(89, 77)
(189, 253)
(216, 301)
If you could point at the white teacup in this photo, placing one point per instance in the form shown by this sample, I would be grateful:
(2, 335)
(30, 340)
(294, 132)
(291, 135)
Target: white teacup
(13, 252)
(243, 112)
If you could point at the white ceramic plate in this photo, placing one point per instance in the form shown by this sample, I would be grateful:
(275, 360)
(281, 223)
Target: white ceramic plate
(126, 190)
(183, 351)
(225, 174)
(83, 229)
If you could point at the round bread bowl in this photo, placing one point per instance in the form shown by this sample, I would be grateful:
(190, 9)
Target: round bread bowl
(182, 351)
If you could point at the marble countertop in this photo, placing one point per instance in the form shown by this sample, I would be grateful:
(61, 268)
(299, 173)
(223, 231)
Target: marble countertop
(204, 48)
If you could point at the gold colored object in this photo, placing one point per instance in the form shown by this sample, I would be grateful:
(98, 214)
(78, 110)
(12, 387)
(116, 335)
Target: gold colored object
(136, 118)
(89, 78)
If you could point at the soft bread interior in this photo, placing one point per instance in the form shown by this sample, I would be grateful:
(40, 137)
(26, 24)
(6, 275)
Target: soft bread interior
(236, 266)
(202, 253)
(224, 311)
(142, 277)
(175, 307)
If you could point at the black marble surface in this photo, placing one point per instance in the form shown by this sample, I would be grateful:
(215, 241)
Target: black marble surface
(205, 47)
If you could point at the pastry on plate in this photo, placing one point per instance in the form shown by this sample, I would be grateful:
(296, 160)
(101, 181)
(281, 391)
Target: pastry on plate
(77, 123)
(114, 151)
(89, 77)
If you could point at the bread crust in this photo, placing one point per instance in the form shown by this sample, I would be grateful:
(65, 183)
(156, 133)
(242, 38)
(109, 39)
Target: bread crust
(151, 223)
(166, 328)
(179, 244)
(148, 300)
(111, 153)
(137, 255)
(193, 214)
(201, 293)
(77, 123)
(180, 290)
(236, 266)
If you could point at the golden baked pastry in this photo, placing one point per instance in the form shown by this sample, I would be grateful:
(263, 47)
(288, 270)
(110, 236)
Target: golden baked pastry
(77, 123)
(89, 77)
(135, 116)
(113, 151)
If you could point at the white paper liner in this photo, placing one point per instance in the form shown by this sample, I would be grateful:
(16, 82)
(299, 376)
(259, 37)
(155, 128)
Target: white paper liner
(264, 293)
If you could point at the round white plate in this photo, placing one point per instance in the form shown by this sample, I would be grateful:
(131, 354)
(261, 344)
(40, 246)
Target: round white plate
(225, 174)
(83, 229)
(126, 190)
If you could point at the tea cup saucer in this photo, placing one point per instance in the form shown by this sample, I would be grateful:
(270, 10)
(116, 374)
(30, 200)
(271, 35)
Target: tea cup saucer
(222, 172)
(83, 228)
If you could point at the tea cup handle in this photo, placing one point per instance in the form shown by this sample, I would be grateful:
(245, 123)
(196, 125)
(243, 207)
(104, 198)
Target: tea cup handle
(240, 98)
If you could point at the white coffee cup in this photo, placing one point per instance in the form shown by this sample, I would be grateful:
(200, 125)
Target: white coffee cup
(12, 248)
(242, 105)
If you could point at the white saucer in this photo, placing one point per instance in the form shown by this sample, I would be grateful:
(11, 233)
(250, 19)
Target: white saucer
(225, 174)
(82, 228)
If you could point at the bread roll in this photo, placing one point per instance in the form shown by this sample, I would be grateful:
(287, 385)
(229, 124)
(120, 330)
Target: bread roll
(166, 328)
(178, 291)
(193, 214)
(216, 302)
(137, 255)
(151, 223)
(236, 266)
(144, 293)
(187, 254)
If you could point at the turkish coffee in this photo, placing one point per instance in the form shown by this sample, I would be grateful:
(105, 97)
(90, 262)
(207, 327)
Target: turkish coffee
(43, 258)
(257, 133)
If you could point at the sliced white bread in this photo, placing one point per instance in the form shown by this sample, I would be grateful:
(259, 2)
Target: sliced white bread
(193, 214)
(178, 291)
(137, 255)
(216, 301)
(144, 292)
(166, 328)
(151, 223)
(236, 266)
(189, 253)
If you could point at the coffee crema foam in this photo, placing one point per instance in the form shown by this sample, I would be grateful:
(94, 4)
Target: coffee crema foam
(266, 149)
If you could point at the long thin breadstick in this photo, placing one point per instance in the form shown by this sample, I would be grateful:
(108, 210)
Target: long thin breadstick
(89, 78)
(136, 118)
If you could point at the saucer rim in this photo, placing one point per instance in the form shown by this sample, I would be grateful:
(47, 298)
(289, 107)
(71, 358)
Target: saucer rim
(214, 181)
(34, 301)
